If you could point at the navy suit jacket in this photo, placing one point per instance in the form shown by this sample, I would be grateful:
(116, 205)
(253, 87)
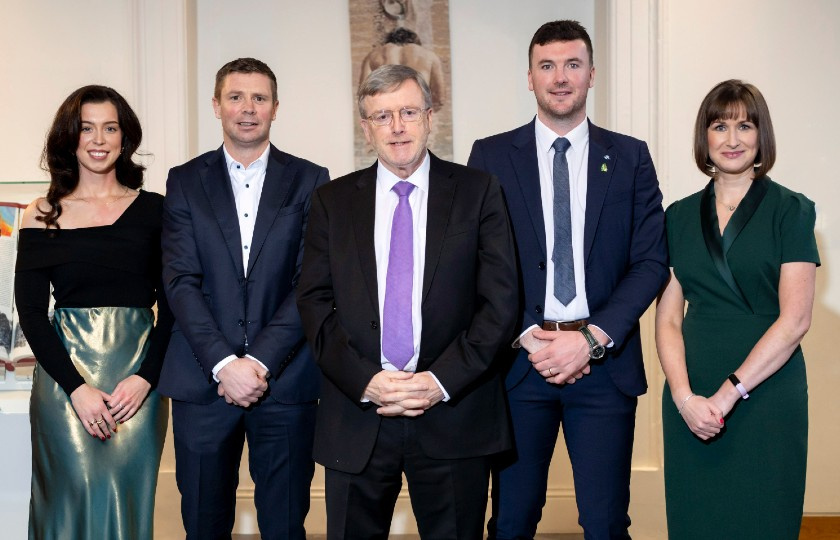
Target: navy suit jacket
(469, 284)
(219, 310)
(624, 239)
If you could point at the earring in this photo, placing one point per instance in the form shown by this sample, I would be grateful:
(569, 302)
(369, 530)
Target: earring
(710, 167)
(757, 165)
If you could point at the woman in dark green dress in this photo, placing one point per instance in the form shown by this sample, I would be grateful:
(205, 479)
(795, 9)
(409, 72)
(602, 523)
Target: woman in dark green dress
(97, 423)
(735, 409)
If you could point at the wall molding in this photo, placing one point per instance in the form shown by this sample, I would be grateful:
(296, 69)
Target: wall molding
(163, 44)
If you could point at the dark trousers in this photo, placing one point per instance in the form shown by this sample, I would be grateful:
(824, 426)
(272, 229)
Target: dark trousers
(598, 422)
(208, 450)
(448, 496)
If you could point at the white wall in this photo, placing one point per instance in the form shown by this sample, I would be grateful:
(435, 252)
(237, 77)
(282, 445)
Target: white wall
(46, 52)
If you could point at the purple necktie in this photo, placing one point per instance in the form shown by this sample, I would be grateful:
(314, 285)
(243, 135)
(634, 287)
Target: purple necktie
(397, 332)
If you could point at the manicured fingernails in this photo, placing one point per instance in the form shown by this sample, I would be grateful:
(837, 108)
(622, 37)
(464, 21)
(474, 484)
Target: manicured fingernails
(721, 420)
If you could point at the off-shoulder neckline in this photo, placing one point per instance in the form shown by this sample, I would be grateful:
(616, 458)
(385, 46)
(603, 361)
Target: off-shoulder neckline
(140, 193)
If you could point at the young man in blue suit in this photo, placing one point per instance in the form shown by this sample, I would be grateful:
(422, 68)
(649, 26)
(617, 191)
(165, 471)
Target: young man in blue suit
(587, 217)
(238, 365)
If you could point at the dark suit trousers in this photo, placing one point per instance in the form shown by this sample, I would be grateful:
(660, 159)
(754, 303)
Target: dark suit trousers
(208, 449)
(598, 422)
(448, 496)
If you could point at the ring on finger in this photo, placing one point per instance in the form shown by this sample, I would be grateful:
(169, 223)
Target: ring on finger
(90, 423)
(99, 422)
(549, 370)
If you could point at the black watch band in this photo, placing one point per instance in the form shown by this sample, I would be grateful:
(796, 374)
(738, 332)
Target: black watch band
(596, 350)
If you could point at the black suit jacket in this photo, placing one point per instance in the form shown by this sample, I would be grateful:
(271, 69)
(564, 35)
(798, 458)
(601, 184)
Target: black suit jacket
(469, 286)
(623, 239)
(217, 308)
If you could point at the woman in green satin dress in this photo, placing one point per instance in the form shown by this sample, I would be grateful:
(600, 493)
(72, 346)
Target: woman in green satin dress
(735, 410)
(97, 423)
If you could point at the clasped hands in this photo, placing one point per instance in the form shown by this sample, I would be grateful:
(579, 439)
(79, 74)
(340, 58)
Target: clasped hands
(242, 382)
(704, 415)
(561, 357)
(402, 393)
(100, 412)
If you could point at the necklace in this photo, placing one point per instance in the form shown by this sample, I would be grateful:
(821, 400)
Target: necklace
(730, 207)
(124, 194)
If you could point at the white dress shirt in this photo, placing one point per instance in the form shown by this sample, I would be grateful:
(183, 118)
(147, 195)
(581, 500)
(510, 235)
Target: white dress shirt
(577, 157)
(247, 183)
(386, 203)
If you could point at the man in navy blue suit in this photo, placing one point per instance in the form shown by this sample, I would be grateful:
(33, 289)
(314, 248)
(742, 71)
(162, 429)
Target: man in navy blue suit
(587, 216)
(238, 365)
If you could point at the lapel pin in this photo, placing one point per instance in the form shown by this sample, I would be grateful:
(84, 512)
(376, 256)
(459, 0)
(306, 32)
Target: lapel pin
(603, 167)
(607, 156)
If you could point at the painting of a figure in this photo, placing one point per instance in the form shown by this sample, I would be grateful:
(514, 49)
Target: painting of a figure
(414, 33)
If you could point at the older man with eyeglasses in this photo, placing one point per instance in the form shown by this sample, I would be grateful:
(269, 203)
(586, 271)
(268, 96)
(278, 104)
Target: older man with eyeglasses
(405, 292)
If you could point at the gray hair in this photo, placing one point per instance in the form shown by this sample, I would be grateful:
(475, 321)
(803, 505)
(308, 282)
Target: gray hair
(386, 79)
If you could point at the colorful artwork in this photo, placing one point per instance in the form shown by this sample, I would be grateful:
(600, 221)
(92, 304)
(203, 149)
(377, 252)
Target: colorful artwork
(8, 220)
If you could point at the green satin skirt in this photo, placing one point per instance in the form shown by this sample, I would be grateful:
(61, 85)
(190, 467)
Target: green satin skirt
(82, 487)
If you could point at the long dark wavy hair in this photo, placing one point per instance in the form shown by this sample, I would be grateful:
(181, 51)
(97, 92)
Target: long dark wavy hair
(59, 155)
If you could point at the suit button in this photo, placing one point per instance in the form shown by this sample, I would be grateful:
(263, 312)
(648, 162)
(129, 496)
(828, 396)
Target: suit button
(538, 309)
(541, 266)
(374, 325)
(240, 322)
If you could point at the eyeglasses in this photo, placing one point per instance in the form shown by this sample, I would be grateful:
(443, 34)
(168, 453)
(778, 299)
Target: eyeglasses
(407, 114)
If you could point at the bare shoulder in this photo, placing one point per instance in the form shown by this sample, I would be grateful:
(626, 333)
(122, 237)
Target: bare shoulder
(38, 207)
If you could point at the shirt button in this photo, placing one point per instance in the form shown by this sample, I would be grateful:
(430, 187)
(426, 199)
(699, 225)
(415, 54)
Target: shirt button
(541, 266)
(538, 309)
(374, 325)
(246, 247)
(246, 214)
(247, 185)
(240, 322)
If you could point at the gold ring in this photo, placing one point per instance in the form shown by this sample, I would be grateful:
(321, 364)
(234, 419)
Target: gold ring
(550, 372)
(90, 423)
(99, 422)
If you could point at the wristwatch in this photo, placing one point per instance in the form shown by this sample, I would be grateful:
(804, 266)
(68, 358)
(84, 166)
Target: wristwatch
(596, 350)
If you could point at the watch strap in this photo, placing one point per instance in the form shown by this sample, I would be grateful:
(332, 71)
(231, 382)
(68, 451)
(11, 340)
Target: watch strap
(740, 387)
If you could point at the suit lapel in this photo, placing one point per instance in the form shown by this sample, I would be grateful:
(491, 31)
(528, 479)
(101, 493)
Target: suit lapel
(216, 183)
(363, 208)
(441, 194)
(602, 164)
(278, 181)
(523, 157)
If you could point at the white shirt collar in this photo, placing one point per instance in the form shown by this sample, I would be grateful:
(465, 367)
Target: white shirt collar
(577, 137)
(420, 178)
(260, 163)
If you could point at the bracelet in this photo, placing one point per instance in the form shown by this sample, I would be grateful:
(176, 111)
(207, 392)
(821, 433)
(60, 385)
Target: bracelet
(684, 401)
(734, 380)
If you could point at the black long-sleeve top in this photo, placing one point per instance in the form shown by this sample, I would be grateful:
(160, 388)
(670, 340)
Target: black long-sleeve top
(111, 265)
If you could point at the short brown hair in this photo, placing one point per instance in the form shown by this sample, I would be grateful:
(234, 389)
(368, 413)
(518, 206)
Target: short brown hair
(565, 30)
(726, 101)
(244, 65)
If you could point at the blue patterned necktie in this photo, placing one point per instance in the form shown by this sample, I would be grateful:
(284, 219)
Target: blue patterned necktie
(561, 255)
(397, 331)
